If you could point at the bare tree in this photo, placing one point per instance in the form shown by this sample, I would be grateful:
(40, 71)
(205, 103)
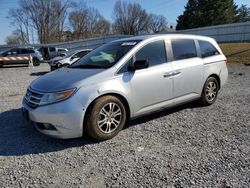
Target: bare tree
(47, 17)
(130, 18)
(102, 27)
(157, 23)
(16, 38)
(20, 19)
(87, 22)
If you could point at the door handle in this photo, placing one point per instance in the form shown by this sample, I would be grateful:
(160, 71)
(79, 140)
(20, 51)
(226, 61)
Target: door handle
(172, 73)
(167, 74)
(176, 72)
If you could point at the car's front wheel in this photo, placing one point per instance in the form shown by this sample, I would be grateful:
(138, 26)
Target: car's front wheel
(105, 118)
(210, 91)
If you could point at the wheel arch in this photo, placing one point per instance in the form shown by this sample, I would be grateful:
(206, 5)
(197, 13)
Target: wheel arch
(119, 96)
(217, 78)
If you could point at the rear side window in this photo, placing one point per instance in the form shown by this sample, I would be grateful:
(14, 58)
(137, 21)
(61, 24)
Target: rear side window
(62, 50)
(23, 51)
(31, 51)
(154, 52)
(52, 49)
(11, 52)
(183, 49)
(207, 49)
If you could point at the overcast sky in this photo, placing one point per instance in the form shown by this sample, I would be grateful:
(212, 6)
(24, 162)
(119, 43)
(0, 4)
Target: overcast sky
(169, 8)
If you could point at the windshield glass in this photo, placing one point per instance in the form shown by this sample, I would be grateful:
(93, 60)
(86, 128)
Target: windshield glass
(105, 56)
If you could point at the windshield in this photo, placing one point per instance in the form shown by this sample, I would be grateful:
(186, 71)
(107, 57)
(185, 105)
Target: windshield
(105, 56)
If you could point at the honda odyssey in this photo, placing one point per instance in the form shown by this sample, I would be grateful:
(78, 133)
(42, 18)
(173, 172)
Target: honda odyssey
(125, 79)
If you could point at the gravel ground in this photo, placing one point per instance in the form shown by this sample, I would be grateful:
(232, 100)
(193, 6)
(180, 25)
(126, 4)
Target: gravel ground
(188, 146)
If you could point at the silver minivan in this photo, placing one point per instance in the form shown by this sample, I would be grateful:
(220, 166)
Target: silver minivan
(125, 79)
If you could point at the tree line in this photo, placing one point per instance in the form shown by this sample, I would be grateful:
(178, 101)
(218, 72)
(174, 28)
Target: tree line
(66, 20)
(201, 13)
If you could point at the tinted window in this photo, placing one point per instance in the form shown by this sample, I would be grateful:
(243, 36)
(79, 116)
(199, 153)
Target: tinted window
(61, 50)
(81, 54)
(183, 49)
(207, 49)
(30, 51)
(11, 52)
(154, 52)
(125, 66)
(52, 49)
(23, 51)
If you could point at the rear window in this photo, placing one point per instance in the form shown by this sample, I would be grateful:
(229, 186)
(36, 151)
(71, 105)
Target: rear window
(207, 49)
(183, 49)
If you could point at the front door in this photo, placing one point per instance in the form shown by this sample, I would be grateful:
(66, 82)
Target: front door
(151, 88)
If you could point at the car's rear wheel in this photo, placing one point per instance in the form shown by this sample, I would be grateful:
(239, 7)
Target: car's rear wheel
(105, 118)
(1, 64)
(210, 91)
(36, 62)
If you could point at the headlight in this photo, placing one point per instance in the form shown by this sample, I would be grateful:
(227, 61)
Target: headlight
(49, 98)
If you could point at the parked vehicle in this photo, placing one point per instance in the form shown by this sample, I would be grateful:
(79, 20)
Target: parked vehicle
(72, 57)
(19, 56)
(50, 52)
(125, 79)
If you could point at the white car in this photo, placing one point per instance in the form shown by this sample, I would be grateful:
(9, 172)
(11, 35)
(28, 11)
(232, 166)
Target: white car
(72, 57)
(123, 80)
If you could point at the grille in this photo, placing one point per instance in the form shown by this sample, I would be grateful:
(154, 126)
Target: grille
(32, 98)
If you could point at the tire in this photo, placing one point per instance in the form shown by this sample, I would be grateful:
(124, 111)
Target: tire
(1, 64)
(36, 62)
(52, 68)
(100, 123)
(209, 92)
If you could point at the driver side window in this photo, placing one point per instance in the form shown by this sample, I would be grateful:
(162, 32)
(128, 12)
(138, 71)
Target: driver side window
(154, 53)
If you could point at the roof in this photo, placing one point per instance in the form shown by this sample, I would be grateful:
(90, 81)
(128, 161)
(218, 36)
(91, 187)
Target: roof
(144, 37)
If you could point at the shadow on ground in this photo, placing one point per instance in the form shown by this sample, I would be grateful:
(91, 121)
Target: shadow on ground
(38, 73)
(20, 137)
(146, 118)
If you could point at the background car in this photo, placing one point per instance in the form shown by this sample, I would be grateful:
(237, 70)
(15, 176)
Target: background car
(50, 52)
(72, 57)
(18, 56)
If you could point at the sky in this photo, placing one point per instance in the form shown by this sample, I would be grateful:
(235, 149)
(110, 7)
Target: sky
(171, 9)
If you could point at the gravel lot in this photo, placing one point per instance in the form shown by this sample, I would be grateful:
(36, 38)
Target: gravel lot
(188, 146)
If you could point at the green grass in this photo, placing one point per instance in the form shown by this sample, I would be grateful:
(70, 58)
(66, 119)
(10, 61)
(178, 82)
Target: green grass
(237, 52)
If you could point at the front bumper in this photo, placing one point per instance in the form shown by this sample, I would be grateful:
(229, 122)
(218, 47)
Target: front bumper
(66, 117)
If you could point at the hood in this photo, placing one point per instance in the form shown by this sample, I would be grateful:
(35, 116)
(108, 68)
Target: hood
(55, 59)
(62, 79)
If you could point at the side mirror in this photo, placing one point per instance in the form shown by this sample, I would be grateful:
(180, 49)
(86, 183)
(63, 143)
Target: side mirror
(139, 64)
